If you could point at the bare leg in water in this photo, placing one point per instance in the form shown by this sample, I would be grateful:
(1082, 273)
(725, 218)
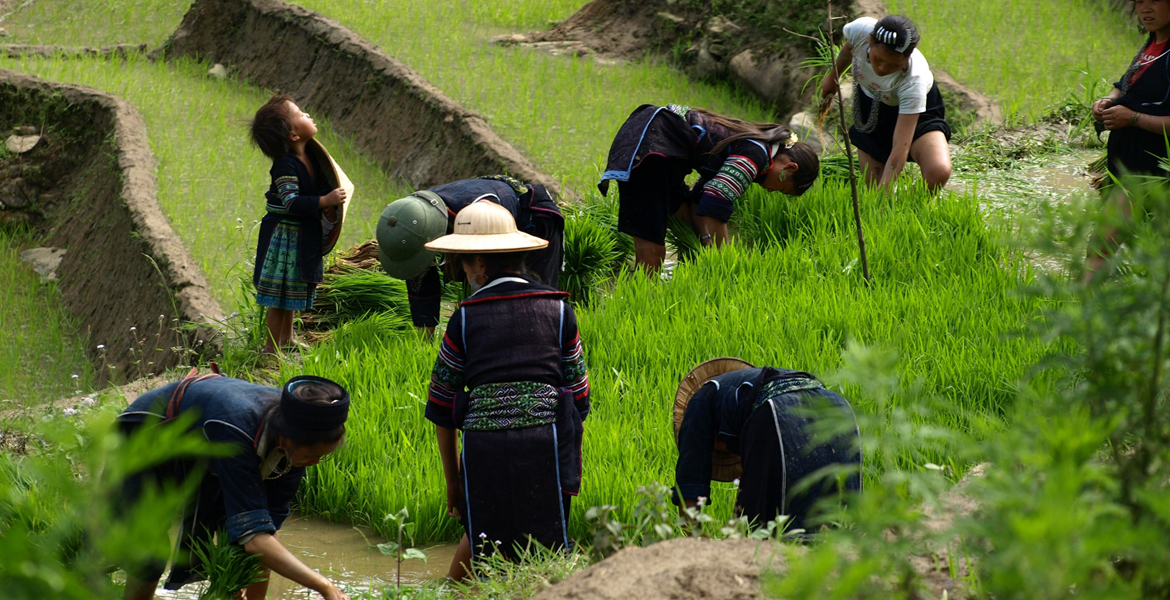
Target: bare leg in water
(460, 565)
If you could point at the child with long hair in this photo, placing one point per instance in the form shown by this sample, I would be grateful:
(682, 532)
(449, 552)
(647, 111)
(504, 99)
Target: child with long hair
(658, 146)
(289, 249)
(898, 111)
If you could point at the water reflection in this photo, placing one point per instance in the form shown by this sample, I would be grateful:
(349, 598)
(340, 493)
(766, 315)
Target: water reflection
(346, 555)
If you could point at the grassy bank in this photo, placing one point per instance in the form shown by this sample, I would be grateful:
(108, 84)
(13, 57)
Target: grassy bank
(211, 181)
(1025, 55)
(41, 352)
(943, 297)
(560, 112)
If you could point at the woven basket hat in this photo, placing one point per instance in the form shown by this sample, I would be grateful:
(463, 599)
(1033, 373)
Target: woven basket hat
(725, 466)
(336, 178)
(486, 227)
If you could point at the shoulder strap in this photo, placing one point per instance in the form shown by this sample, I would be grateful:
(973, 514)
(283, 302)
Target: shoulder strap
(434, 199)
(177, 395)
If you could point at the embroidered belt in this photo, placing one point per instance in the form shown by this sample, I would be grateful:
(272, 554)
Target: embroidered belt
(500, 406)
(787, 385)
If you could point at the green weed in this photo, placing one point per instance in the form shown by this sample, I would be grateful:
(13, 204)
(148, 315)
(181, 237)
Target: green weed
(41, 349)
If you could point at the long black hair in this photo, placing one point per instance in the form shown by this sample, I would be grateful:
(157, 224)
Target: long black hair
(768, 134)
(315, 392)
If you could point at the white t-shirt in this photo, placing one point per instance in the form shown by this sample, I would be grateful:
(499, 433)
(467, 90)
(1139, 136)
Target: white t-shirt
(905, 89)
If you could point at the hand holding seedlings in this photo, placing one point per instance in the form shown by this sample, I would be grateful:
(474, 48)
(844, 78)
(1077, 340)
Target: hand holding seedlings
(277, 433)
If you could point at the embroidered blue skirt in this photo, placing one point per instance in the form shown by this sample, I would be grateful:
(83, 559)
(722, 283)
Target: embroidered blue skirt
(280, 284)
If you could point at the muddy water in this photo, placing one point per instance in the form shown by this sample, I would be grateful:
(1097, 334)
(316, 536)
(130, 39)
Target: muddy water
(348, 556)
(1021, 190)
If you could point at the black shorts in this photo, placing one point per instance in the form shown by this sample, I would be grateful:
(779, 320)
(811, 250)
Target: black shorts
(880, 143)
(655, 191)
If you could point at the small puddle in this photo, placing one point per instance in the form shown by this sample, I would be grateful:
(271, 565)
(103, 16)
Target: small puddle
(1021, 190)
(347, 555)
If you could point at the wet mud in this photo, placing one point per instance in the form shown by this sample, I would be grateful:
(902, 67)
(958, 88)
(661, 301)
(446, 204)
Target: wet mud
(348, 556)
(1022, 189)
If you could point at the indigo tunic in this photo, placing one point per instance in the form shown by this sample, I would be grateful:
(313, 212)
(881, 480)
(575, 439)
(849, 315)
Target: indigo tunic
(759, 414)
(233, 494)
(535, 213)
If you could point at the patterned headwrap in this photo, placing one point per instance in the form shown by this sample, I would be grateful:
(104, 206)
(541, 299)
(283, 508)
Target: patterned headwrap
(311, 415)
(899, 41)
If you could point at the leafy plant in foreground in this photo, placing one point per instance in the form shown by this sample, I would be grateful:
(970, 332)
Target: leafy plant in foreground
(62, 519)
(1073, 499)
(396, 548)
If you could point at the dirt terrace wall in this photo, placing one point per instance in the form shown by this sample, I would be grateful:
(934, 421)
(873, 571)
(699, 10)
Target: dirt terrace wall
(392, 112)
(108, 218)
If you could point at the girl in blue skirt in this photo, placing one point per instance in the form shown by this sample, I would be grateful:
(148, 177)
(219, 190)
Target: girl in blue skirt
(288, 253)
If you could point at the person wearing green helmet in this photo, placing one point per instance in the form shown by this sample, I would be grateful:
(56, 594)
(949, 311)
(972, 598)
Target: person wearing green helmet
(409, 223)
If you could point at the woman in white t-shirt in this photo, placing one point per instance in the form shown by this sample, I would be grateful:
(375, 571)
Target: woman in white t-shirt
(898, 111)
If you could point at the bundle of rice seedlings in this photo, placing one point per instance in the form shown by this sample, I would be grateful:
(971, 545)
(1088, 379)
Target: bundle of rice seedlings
(680, 235)
(352, 294)
(363, 256)
(227, 567)
(604, 211)
(590, 255)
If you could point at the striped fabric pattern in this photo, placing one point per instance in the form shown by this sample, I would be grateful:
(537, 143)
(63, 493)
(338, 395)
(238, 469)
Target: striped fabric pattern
(288, 189)
(447, 376)
(576, 376)
(280, 284)
(733, 178)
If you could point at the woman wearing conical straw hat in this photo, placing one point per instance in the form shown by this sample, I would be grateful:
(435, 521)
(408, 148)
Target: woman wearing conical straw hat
(511, 375)
(755, 425)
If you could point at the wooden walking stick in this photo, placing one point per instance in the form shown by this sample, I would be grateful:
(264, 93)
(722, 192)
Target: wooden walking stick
(849, 153)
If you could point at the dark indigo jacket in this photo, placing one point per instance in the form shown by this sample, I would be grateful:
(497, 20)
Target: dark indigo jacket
(717, 412)
(535, 212)
(229, 411)
(305, 210)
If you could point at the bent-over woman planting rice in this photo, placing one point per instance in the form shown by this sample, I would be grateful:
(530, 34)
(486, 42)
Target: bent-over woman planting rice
(408, 223)
(658, 146)
(733, 421)
(898, 111)
(275, 433)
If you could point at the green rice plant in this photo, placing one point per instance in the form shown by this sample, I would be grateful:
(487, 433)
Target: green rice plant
(1037, 47)
(227, 567)
(349, 296)
(76, 23)
(1069, 494)
(590, 253)
(42, 354)
(681, 237)
(944, 297)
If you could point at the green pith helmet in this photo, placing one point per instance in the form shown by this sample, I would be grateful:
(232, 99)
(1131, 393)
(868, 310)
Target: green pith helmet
(405, 225)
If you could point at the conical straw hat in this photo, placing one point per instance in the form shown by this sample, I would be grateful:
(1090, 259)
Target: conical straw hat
(486, 227)
(336, 179)
(725, 466)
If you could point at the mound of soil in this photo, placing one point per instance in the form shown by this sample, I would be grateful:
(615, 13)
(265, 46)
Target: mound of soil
(675, 570)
